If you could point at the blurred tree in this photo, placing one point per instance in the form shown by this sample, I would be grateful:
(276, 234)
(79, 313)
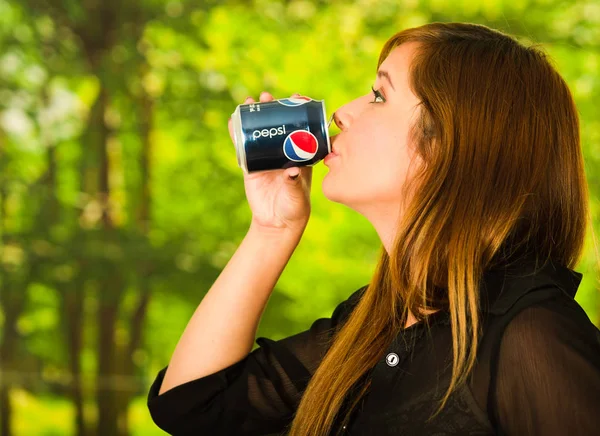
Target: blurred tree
(120, 195)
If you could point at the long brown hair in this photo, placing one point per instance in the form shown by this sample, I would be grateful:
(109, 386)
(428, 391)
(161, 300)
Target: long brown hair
(502, 177)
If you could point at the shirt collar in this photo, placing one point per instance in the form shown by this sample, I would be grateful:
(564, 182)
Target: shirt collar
(502, 287)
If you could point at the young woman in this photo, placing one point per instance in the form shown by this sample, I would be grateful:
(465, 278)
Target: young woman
(466, 158)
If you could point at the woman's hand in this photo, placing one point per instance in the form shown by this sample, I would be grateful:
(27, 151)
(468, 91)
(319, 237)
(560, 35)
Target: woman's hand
(278, 201)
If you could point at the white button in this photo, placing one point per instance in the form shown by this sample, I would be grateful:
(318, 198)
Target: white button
(392, 359)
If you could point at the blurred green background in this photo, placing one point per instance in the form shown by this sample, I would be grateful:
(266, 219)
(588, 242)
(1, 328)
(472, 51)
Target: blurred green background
(120, 194)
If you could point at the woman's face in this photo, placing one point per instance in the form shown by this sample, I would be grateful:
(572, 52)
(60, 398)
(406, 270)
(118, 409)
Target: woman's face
(373, 149)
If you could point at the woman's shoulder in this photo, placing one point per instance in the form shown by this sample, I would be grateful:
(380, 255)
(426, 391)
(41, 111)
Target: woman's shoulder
(343, 309)
(555, 319)
(512, 288)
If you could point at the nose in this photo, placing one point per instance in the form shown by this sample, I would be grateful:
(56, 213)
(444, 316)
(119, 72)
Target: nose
(342, 119)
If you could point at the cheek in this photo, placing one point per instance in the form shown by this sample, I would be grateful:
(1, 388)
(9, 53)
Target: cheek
(384, 153)
(383, 166)
(388, 175)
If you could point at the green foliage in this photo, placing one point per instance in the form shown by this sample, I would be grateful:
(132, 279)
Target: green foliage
(149, 90)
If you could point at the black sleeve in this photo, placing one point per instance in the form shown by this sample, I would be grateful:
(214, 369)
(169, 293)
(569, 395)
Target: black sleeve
(548, 379)
(257, 395)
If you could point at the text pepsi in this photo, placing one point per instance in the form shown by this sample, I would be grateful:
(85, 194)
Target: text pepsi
(280, 134)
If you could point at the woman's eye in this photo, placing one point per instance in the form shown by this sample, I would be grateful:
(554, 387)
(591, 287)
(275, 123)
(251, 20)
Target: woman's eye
(377, 95)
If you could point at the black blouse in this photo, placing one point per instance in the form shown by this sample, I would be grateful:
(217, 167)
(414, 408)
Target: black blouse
(538, 372)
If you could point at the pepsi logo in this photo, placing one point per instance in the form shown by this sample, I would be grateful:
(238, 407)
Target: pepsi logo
(300, 146)
(295, 101)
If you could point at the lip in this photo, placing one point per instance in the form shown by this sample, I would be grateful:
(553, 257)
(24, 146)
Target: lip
(333, 140)
(330, 157)
(334, 152)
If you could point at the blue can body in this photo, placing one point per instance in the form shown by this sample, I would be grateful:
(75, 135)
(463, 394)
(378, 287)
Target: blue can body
(280, 134)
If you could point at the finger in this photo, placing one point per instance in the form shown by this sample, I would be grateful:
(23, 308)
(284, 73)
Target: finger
(296, 95)
(265, 96)
(306, 173)
(230, 127)
(292, 172)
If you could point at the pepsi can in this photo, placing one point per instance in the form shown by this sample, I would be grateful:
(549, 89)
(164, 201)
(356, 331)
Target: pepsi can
(279, 134)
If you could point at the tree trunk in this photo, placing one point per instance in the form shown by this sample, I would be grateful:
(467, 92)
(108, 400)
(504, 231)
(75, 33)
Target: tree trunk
(70, 295)
(144, 218)
(127, 364)
(72, 302)
(110, 292)
(13, 304)
(107, 386)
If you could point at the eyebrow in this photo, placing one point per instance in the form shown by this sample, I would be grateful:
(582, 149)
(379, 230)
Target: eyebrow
(387, 76)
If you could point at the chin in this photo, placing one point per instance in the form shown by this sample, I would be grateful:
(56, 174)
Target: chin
(328, 188)
(331, 190)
